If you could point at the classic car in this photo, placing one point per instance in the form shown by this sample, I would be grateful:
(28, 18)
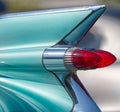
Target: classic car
(39, 58)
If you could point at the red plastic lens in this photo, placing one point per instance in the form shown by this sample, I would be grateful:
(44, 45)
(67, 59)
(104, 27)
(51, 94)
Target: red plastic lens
(85, 59)
(90, 59)
(107, 58)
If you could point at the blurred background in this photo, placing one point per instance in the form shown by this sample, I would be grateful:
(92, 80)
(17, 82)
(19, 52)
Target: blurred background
(102, 84)
(25, 5)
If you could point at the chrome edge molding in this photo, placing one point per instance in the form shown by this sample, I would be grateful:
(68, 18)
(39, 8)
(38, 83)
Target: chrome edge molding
(68, 59)
(50, 11)
(53, 59)
(83, 102)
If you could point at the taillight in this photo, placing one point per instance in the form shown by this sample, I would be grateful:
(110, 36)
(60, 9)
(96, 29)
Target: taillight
(88, 59)
(64, 59)
(107, 58)
(85, 59)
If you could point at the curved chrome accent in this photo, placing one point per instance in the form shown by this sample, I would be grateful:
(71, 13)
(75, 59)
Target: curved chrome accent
(50, 11)
(68, 59)
(53, 59)
(83, 102)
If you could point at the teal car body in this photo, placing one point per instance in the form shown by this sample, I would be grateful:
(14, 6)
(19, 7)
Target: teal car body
(26, 82)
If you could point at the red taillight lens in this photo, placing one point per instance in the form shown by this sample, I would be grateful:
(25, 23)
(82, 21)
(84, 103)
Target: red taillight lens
(85, 59)
(90, 59)
(107, 58)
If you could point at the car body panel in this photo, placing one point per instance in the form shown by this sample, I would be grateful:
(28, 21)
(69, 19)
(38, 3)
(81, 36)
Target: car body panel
(42, 97)
(75, 36)
(38, 29)
(23, 41)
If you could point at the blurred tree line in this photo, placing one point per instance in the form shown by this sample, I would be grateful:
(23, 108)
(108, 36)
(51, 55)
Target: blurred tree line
(112, 2)
(25, 5)
(22, 5)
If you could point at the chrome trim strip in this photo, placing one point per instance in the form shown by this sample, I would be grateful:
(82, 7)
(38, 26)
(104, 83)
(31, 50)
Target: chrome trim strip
(68, 60)
(83, 102)
(53, 59)
(50, 11)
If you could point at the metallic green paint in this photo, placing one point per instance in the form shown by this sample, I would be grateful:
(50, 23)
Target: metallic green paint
(23, 40)
(39, 29)
(41, 96)
(29, 81)
(26, 86)
(77, 34)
